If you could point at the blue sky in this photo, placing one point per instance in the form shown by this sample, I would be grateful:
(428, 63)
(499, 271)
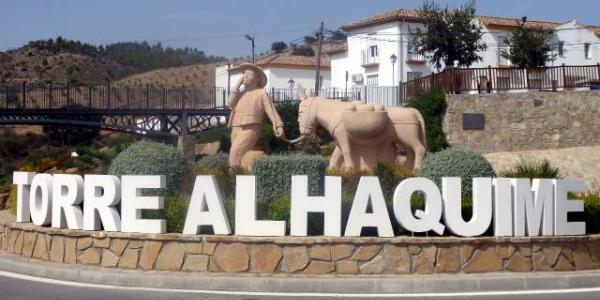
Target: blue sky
(217, 27)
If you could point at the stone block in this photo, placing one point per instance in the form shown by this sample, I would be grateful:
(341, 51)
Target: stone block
(346, 267)
(563, 264)
(232, 258)
(448, 260)
(193, 248)
(265, 258)
(170, 257)
(364, 253)
(40, 249)
(84, 243)
(295, 258)
(505, 250)
(339, 252)
(320, 252)
(195, 263)
(117, 246)
(90, 256)
(397, 259)
(109, 259)
(317, 267)
(425, 260)
(28, 243)
(209, 248)
(583, 259)
(129, 259)
(149, 254)
(102, 243)
(520, 263)
(57, 249)
(485, 259)
(375, 266)
(70, 250)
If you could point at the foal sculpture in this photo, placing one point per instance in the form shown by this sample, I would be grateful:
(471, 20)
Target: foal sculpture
(364, 133)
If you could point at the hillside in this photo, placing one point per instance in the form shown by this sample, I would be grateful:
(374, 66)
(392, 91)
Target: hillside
(194, 75)
(63, 60)
(39, 65)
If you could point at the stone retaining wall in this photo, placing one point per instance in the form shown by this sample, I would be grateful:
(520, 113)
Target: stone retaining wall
(301, 256)
(525, 121)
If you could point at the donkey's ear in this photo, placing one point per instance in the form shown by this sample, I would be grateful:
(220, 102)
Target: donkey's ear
(302, 92)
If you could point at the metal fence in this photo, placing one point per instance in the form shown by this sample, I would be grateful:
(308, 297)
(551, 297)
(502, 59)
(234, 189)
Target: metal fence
(495, 80)
(385, 95)
(108, 97)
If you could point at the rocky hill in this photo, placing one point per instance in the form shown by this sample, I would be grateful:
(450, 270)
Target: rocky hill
(200, 75)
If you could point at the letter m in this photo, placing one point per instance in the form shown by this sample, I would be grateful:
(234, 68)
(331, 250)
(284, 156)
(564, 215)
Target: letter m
(533, 206)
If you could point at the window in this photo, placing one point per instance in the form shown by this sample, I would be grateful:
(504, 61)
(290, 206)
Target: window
(373, 52)
(413, 75)
(561, 49)
(587, 49)
(372, 79)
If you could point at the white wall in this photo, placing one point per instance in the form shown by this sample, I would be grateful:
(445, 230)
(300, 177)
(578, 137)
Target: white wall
(279, 77)
(575, 36)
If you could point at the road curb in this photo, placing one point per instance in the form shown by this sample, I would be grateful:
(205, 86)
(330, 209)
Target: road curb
(409, 284)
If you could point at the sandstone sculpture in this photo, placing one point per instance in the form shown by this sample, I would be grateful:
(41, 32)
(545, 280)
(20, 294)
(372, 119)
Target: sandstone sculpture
(364, 133)
(249, 102)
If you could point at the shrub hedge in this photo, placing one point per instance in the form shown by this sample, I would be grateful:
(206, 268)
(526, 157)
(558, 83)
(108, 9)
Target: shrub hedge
(432, 105)
(151, 158)
(219, 160)
(274, 174)
(526, 167)
(457, 163)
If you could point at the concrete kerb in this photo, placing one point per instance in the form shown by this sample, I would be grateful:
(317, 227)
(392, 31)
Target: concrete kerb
(407, 284)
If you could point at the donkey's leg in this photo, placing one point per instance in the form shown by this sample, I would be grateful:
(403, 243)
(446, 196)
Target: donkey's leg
(350, 161)
(409, 135)
(337, 159)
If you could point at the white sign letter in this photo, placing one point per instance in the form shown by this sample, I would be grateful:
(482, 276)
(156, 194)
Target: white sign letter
(429, 219)
(23, 182)
(482, 206)
(245, 211)
(206, 208)
(132, 203)
(67, 194)
(369, 188)
(533, 204)
(564, 205)
(40, 199)
(503, 211)
(101, 193)
(330, 205)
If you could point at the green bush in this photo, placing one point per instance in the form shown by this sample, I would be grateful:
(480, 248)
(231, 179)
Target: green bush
(461, 163)
(176, 211)
(309, 145)
(151, 158)
(274, 174)
(432, 105)
(526, 167)
(219, 160)
(12, 199)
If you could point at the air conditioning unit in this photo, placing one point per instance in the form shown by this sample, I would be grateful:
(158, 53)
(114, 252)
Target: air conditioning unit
(357, 78)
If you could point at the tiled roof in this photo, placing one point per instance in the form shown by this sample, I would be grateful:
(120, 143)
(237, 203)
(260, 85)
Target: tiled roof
(287, 60)
(412, 15)
(342, 47)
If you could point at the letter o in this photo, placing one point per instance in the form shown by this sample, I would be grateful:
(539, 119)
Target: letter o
(40, 199)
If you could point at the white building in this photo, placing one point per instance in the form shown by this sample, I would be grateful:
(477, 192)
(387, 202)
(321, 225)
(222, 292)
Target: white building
(284, 73)
(379, 50)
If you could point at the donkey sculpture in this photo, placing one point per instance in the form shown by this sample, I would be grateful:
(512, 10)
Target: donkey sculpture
(364, 133)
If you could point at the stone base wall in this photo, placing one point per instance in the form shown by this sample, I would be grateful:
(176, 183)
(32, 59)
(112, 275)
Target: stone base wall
(525, 121)
(301, 256)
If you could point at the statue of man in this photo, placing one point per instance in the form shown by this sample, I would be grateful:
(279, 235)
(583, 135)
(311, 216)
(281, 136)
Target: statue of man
(249, 102)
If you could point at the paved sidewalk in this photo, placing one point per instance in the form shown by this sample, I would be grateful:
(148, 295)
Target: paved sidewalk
(282, 284)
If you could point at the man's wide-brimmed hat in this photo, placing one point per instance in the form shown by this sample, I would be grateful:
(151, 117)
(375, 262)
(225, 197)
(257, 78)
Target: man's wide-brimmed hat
(260, 74)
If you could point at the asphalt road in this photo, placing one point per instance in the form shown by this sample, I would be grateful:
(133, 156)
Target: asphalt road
(14, 288)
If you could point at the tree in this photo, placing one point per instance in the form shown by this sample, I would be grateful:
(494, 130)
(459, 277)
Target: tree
(529, 46)
(337, 35)
(278, 47)
(303, 50)
(310, 39)
(450, 36)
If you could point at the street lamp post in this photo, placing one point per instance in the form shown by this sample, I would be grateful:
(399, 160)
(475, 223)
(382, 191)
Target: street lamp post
(346, 91)
(251, 38)
(393, 59)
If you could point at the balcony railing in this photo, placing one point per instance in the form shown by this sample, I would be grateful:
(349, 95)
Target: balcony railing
(367, 60)
(415, 58)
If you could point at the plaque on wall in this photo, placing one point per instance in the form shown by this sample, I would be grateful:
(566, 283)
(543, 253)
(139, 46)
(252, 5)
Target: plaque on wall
(473, 121)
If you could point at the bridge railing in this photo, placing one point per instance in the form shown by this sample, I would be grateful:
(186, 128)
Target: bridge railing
(51, 96)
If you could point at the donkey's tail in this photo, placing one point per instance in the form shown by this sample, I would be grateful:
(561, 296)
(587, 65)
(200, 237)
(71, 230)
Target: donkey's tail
(423, 137)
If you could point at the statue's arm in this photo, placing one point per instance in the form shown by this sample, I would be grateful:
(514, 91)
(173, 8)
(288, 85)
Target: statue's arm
(234, 97)
(271, 111)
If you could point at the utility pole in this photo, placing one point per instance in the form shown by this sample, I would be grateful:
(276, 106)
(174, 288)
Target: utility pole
(318, 75)
(251, 38)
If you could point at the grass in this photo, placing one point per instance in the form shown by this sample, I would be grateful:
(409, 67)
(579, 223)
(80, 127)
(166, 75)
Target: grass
(526, 167)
